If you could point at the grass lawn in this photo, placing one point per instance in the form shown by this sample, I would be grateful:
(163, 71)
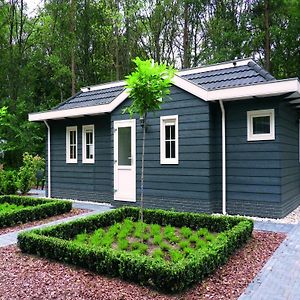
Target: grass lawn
(169, 243)
(170, 251)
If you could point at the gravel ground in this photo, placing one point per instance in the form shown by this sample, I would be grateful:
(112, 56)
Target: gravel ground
(73, 212)
(28, 277)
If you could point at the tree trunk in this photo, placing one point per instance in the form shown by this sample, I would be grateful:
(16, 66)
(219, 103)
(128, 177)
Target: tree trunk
(142, 171)
(267, 45)
(186, 46)
(73, 66)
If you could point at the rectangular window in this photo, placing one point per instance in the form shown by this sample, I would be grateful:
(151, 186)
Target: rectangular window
(169, 140)
(88, 144)
(71, 144)
(261, 125)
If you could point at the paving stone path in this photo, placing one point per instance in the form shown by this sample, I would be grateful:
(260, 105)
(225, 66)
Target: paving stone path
(279, 279)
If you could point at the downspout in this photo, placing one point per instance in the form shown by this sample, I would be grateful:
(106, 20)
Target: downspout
(49, 160)
(223, 159)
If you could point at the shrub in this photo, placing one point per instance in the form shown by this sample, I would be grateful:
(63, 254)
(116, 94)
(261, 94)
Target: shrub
(8, 182)
(34, 209)
(55, 243)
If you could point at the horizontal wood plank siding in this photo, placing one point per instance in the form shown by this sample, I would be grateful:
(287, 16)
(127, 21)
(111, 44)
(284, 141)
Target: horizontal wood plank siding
(90, 182)
(290, 166)
(185, 186)
(253, 168)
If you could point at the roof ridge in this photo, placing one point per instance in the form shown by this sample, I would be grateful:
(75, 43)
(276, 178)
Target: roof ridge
(261, 71)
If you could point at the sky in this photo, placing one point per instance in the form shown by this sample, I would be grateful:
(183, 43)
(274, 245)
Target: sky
(33, 5)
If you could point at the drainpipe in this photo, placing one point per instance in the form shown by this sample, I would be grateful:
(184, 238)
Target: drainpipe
(223, 159)
(49, 160)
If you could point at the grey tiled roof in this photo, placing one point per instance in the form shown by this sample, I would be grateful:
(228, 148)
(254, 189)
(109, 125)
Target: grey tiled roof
(91, 98)
(211, 80)
(231, 77)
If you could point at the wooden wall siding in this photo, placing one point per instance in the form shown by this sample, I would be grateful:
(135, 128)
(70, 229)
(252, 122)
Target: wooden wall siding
(253, 168)
(289, 154)
(82, 181)
(186, 186)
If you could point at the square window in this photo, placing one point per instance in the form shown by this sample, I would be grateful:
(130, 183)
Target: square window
(169, 140)
(261, 125)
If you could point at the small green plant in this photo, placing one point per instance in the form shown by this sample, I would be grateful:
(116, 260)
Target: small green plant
(158, 253)
(183, 244)
(193, 238)
(157, 239)
(188, 250)
(200, 244)
(140, 228)
(209, 237)
(81, 238)
(155, 229)
(186, 232)
(123, 244)
(164, 246)
(175, 255)
(96, 237)
(8, 182)
(202, 232)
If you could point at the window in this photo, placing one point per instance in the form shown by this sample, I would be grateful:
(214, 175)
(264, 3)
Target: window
(88, 144)
(71, 144)
(261, 125)
(169, 140)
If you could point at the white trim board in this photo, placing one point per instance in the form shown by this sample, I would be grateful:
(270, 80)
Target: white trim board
(271, 88)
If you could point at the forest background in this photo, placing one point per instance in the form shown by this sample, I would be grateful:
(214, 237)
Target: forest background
(47, 56)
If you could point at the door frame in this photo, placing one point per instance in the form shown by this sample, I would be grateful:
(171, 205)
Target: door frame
(117, 124)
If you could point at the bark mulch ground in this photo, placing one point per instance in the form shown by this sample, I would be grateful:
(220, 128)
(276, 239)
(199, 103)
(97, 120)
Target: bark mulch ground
(28, 277)
(73, 212)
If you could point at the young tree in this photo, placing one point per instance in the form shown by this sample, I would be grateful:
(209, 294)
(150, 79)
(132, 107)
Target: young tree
(147, 86)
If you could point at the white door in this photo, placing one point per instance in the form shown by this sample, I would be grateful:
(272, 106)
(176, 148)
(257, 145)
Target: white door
(124, 160)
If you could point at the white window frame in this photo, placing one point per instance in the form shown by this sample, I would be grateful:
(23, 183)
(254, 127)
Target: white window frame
(68, 159)
(164, 120)
(86, 128)
(262, 136)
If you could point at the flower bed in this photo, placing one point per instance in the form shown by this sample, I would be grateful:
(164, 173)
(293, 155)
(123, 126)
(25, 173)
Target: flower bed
(69, 243)
(17, 210)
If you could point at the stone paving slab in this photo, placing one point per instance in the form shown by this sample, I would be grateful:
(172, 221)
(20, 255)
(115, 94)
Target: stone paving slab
(11, 237)
(280, 277)
(271, 226)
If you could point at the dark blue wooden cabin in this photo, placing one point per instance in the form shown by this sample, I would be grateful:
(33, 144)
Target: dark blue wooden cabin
(226, 140)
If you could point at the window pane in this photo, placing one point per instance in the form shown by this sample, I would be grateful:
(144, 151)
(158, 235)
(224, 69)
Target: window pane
(173, 149)
(168, 150)
(167, 129)
(124, 146)
(261, 125)
(172, 127)
(87, 151)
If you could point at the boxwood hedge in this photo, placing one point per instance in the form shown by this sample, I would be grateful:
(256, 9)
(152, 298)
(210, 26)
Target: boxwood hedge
(56, 243)
(34, 209)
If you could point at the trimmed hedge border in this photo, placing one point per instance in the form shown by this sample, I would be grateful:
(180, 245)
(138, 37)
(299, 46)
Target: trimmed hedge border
(55, 243)
(35, 209)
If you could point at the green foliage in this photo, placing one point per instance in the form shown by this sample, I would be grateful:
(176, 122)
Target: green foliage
(147, 86)
(171, 276)
(8, 182)
(123, 244)
(33, 209)
(28, 171)
(7, 207)
(186, 231)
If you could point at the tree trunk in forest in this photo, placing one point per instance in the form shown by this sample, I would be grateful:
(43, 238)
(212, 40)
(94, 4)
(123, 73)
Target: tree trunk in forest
(267, 45)
(72, 29)
(186, 46)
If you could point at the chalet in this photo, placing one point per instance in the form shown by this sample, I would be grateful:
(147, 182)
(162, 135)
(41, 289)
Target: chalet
(225, 140)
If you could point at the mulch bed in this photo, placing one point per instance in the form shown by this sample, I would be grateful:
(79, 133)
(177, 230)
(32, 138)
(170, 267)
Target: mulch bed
(28, 277)
(73, 212)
